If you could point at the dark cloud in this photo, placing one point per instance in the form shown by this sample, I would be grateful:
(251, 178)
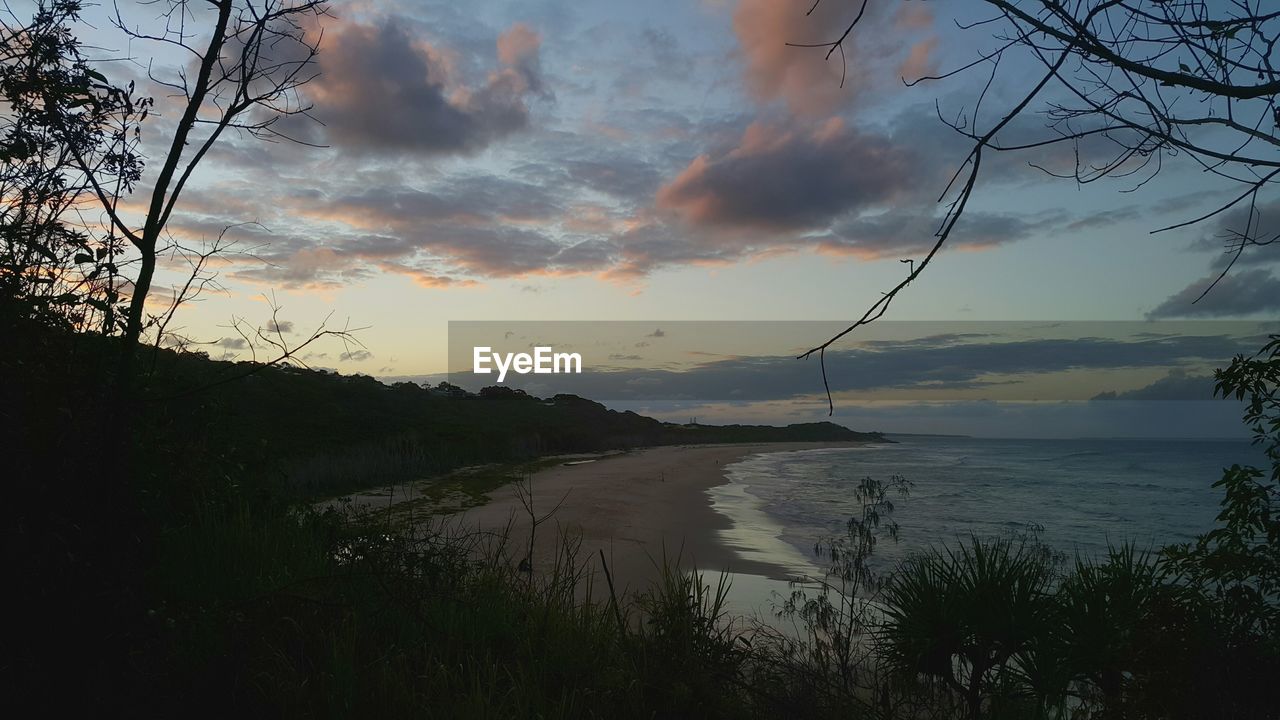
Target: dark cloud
(1238, 293)
(1261, 224)
(895, 232)
(1108, 218)
(462, 198)
(656, 244)
(316, 267)
(280, 326)
(355, 356)
(464, 227)
(664, 52)
(383, 88)
(588, 160)
(788, 180)
(624, 178)
(1177, 385)
(940, 366)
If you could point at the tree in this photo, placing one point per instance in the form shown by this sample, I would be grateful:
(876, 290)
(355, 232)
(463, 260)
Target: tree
(1192, 630)
(1138, 82)
(64, 125)
(965, 617)
(71, 254)
(248, 58)
(1127, 85)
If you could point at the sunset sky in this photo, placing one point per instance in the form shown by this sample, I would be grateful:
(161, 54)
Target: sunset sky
(666, 161)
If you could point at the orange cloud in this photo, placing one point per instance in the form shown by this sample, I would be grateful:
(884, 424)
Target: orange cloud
(809, 84)
(427, 279)
(913, 16)
(518, 45)
(786, 179)
(809, 79)
(919, 62)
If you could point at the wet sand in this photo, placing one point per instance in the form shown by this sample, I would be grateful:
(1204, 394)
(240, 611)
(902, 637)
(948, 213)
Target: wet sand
(632, 507)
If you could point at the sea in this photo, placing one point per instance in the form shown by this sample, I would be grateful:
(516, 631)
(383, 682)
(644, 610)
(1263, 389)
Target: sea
(1076, 496)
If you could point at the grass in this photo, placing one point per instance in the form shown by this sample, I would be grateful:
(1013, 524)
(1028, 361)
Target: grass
(450, 492)
(313, 615)
(209, 584)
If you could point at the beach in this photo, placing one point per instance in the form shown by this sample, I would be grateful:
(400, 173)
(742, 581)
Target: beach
(633, 507)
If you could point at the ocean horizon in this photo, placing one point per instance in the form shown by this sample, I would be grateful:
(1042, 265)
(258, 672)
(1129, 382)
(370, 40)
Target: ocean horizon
(1077, 496)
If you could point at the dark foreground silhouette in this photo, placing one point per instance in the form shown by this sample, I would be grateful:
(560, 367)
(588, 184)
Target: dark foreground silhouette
(182, 570)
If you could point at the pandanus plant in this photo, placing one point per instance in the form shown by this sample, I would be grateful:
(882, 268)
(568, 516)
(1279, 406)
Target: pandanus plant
(1104, 610)
(968, 616)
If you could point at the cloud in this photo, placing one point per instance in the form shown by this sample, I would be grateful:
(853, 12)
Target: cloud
(461, 229)
(426, 278)
(920, 61)
(1239, 293)
(896, 232)
(1177, 385)
(280, 326)
(460, 199)
(807, 79)
(789, 180)
(814, 186)
(942, 367)
(233, 343)
(775, 71)
(383, 88)
(518, 49)
(314, 267)
(667, 190)
(1262, 224)
(355, 356)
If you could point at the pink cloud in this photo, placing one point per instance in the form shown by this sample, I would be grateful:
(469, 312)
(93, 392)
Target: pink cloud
(518, 45)
(919, 62)
(800, 76)
(789, 179)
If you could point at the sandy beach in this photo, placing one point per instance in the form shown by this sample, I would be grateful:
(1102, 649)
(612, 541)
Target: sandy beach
(631, 507)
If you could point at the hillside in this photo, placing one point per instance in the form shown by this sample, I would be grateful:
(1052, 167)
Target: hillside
(331, 433)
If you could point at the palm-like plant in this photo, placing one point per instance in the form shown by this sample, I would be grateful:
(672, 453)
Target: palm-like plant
(965, 616)
(1104, 608)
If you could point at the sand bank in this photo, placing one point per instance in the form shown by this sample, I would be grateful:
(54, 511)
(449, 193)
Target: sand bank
(631, 507)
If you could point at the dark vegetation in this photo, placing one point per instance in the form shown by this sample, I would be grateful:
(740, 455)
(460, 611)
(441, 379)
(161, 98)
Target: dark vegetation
(325, 434)
(209, 586)
(164, 557)
(207, 579)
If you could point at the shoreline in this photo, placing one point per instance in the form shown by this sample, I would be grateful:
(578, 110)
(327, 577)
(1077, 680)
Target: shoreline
(633, 507)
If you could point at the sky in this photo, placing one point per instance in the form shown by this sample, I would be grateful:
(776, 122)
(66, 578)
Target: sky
(661, 161)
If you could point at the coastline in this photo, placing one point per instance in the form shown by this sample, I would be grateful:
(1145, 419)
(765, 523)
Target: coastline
(633, 507)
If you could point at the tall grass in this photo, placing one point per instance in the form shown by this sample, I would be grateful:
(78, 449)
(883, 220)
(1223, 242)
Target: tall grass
(314, 614)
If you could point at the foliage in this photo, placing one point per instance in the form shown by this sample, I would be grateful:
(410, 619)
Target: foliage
(1188, 632)
(67, 135)
(1094, 90)
(966, 616)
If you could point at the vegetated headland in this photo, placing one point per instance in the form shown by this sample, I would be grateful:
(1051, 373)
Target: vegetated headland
(196, 566)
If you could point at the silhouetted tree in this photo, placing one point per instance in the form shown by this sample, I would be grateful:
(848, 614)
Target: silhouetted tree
(65, 127)
(247, 59)
(1139, 82)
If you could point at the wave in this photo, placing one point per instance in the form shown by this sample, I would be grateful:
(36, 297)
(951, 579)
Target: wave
(970, 486)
